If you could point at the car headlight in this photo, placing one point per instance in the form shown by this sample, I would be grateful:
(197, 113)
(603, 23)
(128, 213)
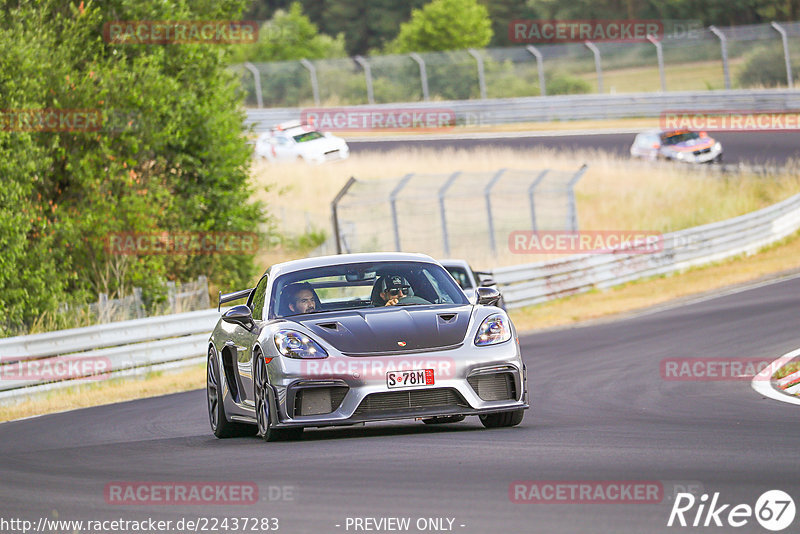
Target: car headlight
(717, 146)
(680, 155)
(493, 330)
(296, 345)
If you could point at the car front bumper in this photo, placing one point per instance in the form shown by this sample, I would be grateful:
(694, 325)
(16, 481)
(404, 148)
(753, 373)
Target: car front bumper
(353, 389)
(703, 157)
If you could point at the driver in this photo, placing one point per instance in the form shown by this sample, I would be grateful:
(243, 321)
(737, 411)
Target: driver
(393, 288)
(301, 298)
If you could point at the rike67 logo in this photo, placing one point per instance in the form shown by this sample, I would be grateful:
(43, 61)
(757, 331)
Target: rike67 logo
(774, 510)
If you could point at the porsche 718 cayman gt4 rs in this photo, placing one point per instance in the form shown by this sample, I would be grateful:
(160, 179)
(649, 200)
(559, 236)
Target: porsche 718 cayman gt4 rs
(349, 339)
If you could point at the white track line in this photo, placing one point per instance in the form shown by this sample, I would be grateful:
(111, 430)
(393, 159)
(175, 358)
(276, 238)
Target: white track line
(762, 383)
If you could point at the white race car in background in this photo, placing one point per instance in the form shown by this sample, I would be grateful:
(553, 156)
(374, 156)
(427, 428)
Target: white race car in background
(293, 141)
(470, 280)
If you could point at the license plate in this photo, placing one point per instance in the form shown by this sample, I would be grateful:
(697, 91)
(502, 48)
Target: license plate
(402, 379)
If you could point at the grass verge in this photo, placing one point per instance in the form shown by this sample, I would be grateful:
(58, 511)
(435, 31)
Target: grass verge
(786, 370)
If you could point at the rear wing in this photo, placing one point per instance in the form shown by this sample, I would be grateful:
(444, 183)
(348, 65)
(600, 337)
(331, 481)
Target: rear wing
(228, 297)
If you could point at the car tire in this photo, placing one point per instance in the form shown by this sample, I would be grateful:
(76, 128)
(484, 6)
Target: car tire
(443, 419)
(264, 406)
(220, 426)
(502, 419)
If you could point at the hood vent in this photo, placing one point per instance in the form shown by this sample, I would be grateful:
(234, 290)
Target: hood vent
(447, 317)
(329, 326)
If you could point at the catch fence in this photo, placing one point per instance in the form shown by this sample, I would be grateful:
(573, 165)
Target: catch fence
(687, 58)
(452, 214)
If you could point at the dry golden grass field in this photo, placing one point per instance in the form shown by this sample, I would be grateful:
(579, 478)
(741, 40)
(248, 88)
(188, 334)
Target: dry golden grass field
(614, 194)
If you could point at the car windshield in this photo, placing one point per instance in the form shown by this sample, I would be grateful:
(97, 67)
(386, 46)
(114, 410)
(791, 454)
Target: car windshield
(353, 286)
(680, 137)
(461, 276)
(308, 136)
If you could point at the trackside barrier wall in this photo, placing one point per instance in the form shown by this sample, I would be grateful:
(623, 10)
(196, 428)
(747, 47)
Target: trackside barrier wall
(140, 344)
(523, 285)
(177, 340)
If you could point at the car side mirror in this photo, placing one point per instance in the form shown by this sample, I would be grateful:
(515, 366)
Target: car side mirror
(488, 296)
(240, 315)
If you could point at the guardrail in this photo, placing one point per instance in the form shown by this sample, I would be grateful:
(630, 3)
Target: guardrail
(523, 285)
(67, 357)
(142, 345)
(570, 107)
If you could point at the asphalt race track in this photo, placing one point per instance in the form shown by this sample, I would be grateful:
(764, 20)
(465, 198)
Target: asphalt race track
(755, 148)
(601, 411)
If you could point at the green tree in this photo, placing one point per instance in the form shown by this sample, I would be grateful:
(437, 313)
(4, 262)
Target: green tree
(169, 154)
(290, 35)
(367, 24)
(717, 12)
(444, 25)
(501, 13)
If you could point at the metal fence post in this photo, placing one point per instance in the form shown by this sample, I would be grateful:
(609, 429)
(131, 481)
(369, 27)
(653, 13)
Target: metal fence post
(423, 75)
(539, 66)
(660, 56)
(393, 204)
(368, 75)
(442, 192)
(257, 81)
(103, 308)
(202, 282)
(531, 198)
(172, 298)
(786, 57)
(312, 71)
(138, 304)
(573, 211)
(723, 43)
(597, 66)
(481, 76)
(335, 215)
(487, 192)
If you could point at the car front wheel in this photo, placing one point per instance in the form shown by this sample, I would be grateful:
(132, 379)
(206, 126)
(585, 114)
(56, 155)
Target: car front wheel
(497, 420)
(263, 407)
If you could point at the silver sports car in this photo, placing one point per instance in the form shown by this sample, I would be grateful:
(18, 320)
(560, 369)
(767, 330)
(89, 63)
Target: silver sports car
(349, 339)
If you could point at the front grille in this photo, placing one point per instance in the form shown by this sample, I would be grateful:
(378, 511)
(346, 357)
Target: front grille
(704, 151)
(493, 387)
(319, 400)
(414, 398)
